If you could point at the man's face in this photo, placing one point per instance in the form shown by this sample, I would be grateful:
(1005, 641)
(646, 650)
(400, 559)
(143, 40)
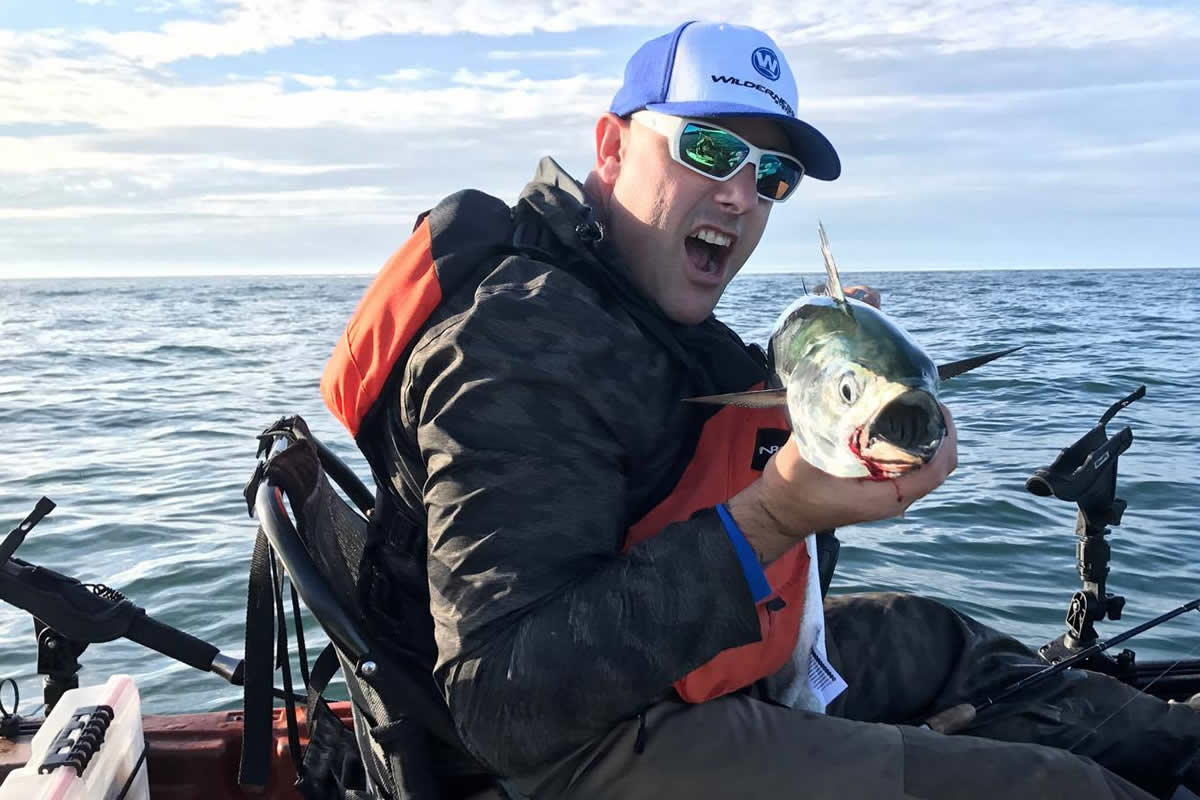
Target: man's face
(659, 206)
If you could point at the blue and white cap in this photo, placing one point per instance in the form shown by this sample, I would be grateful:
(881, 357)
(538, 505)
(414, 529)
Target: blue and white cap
(717, 70)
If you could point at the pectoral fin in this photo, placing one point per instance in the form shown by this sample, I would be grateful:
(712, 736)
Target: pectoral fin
(948, 371)
(763, 398)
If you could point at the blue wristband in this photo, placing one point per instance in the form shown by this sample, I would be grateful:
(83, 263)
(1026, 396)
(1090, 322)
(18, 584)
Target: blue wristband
(753, 571)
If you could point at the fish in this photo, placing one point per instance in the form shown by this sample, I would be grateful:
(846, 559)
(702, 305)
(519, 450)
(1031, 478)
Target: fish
(861, 394)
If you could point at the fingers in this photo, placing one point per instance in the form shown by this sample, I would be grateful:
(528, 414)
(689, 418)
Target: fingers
(920, 482)
(864, 293)
(949, 448)
(801, 491)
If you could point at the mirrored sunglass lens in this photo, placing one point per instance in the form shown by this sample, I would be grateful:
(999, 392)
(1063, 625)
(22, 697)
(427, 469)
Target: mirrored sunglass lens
(714, 152)
(777, 177)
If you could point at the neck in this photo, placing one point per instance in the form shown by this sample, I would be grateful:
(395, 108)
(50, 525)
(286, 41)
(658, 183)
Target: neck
(598, 192)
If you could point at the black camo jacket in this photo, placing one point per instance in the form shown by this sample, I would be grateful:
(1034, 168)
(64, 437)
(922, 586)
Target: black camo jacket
(536, 417)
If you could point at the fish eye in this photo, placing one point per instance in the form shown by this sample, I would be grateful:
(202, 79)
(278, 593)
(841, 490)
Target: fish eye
(848, 388)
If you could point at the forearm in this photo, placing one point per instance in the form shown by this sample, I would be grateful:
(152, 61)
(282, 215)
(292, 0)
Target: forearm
(768, 529)
(601, 648)
(792, 498)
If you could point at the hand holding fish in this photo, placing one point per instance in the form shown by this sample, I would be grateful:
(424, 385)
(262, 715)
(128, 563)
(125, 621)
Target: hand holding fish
(794, 498)
(860, 291)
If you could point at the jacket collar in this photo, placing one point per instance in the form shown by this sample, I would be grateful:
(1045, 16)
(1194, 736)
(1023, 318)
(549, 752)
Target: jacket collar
(709, 348)
(564, 208)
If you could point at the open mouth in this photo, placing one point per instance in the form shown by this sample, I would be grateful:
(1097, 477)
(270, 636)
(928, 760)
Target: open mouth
(905, 434)
(707, 252)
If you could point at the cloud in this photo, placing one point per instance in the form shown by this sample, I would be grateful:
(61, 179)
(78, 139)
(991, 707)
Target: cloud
(939, 109)
(315, 81)
(527, 55)
(108, 93)
(346, 201)
(408, 75)
(46, 155)
(999, 101)
(160, 7)
(254, 26)
(1158, 146)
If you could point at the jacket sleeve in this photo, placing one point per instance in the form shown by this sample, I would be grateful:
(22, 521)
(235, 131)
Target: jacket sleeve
(548, 634)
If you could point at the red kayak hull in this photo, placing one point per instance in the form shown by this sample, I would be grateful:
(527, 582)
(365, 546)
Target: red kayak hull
(196, 756)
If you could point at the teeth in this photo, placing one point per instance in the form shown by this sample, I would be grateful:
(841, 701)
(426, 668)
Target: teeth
(712, 237)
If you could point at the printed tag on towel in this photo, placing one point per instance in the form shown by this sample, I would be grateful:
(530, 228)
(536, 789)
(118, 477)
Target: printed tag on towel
(823, 679)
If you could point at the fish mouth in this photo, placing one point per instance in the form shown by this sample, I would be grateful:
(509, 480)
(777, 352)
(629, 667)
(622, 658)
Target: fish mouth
(905, 434)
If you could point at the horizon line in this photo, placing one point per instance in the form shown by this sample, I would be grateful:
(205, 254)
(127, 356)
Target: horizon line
(321, 273)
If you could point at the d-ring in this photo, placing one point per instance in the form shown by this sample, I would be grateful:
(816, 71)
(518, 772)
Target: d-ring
(4, 712)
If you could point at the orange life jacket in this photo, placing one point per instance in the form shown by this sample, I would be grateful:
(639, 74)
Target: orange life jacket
(728, 456)
(727, 460)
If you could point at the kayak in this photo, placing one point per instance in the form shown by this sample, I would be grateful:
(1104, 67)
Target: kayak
(188, 756)
(308, 747)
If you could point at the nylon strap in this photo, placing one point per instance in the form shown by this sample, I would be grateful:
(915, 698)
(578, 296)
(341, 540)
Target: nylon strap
(258, 686)
(301, 651)
(284, 663)
(323, 670)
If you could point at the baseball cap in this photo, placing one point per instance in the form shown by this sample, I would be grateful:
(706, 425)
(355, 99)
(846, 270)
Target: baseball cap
(718, 70)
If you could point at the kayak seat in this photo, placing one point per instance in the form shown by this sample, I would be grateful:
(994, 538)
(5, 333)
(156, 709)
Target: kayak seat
(403, 733)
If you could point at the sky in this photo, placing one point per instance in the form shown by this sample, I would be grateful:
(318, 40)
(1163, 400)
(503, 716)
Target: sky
(146, 137)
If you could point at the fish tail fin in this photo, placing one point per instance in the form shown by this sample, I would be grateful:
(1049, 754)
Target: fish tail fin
(833, 282)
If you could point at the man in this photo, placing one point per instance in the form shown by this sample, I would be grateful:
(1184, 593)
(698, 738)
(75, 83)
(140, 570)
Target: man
(623, 598)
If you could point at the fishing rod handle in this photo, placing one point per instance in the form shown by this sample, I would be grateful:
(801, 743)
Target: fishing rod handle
(172, 642)
(951, 720)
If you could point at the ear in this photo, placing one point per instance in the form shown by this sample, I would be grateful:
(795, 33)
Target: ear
(611, 132)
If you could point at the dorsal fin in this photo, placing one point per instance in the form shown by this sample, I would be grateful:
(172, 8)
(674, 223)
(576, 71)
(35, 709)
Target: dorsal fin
(833, 284)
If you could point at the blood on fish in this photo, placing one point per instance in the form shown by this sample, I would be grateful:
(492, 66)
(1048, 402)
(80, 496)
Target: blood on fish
(874, 471)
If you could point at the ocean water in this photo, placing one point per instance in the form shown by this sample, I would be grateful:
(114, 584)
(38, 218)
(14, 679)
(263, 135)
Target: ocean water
(133, 404)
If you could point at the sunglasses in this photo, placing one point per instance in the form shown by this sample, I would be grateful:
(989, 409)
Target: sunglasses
(718, 153)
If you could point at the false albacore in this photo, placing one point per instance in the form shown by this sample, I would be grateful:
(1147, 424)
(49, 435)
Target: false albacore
(861, 395)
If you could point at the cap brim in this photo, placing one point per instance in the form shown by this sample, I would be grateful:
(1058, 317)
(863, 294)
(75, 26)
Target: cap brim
(808, 144)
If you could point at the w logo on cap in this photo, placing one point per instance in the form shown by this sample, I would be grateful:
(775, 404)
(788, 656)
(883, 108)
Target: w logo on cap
(766, 63)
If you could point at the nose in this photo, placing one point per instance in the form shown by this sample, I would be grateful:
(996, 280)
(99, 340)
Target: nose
(739, 194)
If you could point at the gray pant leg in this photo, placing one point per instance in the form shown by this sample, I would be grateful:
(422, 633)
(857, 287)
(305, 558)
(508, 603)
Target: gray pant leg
(906, 657)
(740, 747)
